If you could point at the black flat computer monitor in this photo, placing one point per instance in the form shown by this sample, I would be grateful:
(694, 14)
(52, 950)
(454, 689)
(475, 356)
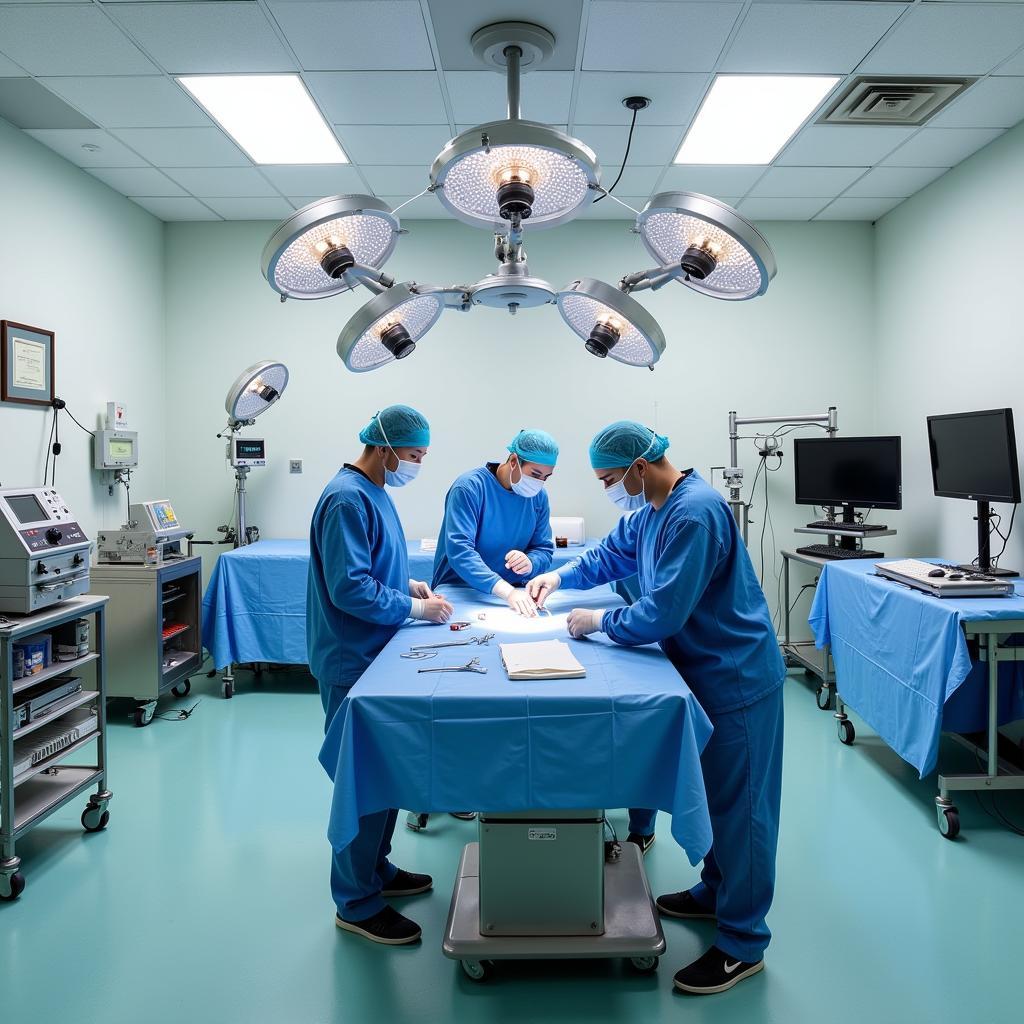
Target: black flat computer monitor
(974, 457)
(856, 472)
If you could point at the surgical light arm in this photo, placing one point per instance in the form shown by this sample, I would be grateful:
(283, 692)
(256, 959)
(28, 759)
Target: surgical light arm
(653, 279)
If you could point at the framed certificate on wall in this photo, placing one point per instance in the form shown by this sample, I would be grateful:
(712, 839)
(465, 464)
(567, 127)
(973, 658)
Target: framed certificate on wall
(26, 364)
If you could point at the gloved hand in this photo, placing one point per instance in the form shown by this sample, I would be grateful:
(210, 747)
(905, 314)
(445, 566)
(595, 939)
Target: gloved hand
(521, 603)
(519, 563)
(432, 609)
(541, 587)
(417, 588)
(583, 621)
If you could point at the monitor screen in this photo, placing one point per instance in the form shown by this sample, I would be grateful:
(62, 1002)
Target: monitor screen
(26, 508)
(974, 456)
(120, 449)
(163, 515)
(861, 471)
(249, 449)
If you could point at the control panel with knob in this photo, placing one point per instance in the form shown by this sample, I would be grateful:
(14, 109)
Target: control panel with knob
(54, 536)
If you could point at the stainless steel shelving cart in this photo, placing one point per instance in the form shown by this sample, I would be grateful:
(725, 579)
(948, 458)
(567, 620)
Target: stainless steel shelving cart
(40, 790)
(154, 629)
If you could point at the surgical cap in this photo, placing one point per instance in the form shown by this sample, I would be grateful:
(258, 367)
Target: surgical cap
(397, 426)
(535, 446)
(622, 443)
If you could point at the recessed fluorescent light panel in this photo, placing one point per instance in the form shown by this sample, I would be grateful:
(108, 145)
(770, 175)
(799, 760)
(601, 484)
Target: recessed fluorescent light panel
(747, 119)
(270, 116)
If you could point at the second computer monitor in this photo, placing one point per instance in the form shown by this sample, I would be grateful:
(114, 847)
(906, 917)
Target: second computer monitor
(863, 472)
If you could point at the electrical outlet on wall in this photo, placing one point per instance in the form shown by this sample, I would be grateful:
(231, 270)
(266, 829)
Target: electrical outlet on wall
(295, 465)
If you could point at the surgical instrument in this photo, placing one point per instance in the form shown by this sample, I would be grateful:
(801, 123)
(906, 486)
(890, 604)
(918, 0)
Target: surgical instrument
(479, 640)
(470, 666)
(419, 655)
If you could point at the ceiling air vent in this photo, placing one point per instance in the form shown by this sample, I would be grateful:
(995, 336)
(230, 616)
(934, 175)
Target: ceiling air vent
(900, 101)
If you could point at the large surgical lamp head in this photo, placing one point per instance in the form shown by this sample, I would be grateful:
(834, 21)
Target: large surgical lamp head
(611, 323)
(308, 254)
(255, 391)
(718, 251)
(388, 327)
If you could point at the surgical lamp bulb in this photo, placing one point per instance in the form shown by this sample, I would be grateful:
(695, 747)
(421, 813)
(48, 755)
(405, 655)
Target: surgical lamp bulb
(263, 390)
(603, 337)
(335, 257)
(515, 193)
(395, 338)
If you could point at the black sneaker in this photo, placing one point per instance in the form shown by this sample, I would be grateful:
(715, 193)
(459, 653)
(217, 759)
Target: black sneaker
(407, 883)
(682, 904)
(388, 928)
(714, 972)
(464, 815)
(644, 842)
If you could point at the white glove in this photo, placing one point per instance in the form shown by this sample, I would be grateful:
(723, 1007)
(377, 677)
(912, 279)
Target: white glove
(417, 588)
(541, 587)
(431, 609)
(583, 621)
(519, 563)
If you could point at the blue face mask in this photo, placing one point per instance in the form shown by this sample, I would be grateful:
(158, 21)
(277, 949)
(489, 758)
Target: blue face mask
(404, 473)
(526, 486)
(621, 498)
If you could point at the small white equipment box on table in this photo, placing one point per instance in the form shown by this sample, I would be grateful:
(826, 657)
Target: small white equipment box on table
(151, 536)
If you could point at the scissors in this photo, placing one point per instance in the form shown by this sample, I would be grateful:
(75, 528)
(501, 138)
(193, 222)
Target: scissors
(419, 655)
(470, 666)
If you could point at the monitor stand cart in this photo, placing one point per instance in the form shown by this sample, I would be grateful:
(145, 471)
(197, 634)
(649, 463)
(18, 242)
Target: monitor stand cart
(984, 521)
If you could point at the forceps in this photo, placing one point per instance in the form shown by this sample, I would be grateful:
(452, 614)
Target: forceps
(478, 640)
(470, 666)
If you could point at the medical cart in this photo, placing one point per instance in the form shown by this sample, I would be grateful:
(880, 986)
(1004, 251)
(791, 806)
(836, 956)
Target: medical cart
(30, 795)
(154, 616)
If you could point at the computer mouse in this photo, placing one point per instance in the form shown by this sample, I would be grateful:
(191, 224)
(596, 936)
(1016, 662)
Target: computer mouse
(937, 572)
(956, 576)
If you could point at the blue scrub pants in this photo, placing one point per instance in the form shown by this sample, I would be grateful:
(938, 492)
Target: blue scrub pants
(362, 869)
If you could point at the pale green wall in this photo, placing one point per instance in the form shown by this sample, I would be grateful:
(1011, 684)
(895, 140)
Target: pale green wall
(82, 261)
(950, 328)
(480, 376)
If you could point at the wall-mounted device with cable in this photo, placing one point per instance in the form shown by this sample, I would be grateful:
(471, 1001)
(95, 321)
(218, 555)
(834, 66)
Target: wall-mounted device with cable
(116, 450)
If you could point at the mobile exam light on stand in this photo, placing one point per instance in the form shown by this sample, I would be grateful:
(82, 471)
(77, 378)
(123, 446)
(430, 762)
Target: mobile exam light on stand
(252, 394)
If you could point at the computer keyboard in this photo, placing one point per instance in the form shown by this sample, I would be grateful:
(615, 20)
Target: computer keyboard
(831, 551)
(943, 580)
(825, 524)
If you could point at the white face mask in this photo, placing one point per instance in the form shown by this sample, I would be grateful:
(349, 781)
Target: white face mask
(621, 498)
(526, 486)
(404, 473)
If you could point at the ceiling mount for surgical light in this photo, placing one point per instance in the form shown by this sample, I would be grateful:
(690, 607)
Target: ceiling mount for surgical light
(254, 392)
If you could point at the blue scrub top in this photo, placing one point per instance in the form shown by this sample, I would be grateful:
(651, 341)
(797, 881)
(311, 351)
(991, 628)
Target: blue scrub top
(483, 522)
(699, 595)
(357, 593)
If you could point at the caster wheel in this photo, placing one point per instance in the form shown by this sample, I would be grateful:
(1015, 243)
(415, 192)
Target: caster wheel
(823, 698)
(478, 970)
(847, 733)
(417, 822)
(93, 820)
(12, 886)
(644, 964)
(228, 689)
(182, 689)
(949, 822)
(141, 717)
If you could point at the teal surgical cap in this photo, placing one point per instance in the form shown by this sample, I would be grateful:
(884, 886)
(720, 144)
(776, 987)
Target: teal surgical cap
(397, 426)
(535, 446)
(622, 443)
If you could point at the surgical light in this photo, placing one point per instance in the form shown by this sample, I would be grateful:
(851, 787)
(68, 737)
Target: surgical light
(255, 391)
(389, 326)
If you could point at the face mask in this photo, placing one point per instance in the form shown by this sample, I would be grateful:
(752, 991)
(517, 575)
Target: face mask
(402, 474)
(621, 498)
(526, 486)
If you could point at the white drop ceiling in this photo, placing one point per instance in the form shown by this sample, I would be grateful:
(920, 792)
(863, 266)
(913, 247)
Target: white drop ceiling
(397, 78)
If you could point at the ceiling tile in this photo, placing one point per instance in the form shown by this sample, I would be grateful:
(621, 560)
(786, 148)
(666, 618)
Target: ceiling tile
(794, 182)
(674, 36)
(424, 208)
(51, 40)
(8, 69)
(857, 209)
(455, 21)
(69, 143)
(990, 103)
(808, 38)
(314, 179)
(1014, 66)
(608, 209)
(196, 38)
(832, 146)
(394, 181)
(133, 101)
(654, 144)
(637, 180)
(222, 182)
(674, 97)
(708, 179)
(27, 104)
(781, 209)
(357, 35)
(176, 209)
(460, 128)
(184, 147)
(396, 96)
(138, 181)
(392, 144)
(479, 96)
(251, 209)
(893, 181)
(941, 147)
(949, 39)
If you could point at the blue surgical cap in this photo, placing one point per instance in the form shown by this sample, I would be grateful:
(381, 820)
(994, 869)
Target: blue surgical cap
(622, 443)
(397, 426)
(535, 446)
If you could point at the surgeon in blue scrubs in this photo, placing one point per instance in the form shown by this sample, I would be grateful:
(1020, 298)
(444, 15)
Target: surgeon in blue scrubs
(358, 595)
(700, 600)
(496, 532)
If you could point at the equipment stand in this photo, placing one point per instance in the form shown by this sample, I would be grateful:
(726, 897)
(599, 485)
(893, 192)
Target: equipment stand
(984, 520)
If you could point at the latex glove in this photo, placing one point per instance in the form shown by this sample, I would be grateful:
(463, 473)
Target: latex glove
(521, 603)
(519, 563)
(432, 609)
(583, 621)
(541, 587)
(417, 588)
